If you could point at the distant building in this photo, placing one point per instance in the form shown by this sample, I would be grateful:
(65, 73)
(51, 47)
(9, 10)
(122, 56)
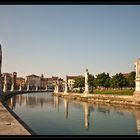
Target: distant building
(125, 74)
(11, 77)
(71, 80)
(9, 80)
(43, 82)
(20, 80)
(33, 81)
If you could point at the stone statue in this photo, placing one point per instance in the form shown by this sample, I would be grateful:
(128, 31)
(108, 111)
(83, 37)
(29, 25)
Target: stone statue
(66, 85)
(0, 70)
(5, 83)
(137, 79)
(86, 83)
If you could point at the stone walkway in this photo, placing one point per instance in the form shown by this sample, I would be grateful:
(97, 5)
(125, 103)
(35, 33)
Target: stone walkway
(9, 125)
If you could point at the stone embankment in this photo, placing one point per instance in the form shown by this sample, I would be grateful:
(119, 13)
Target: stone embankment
(102, 98)
(9, 125)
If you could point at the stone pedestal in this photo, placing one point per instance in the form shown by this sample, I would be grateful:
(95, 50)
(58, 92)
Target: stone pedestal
(20, 87)
(137, 80)
(86, 83)
(12, 87)
(56, 87)
(46, 88)
(5, 84)
(28, 87)
(36, 88)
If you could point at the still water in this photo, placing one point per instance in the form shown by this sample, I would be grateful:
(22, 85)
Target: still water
(50, 115)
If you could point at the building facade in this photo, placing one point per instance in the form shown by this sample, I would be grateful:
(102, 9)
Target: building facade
(33, 81)
(71, 80)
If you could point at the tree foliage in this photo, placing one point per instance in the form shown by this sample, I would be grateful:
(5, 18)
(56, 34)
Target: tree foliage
(131, 79)
(79, 82)
(118, 81)
(102, 80)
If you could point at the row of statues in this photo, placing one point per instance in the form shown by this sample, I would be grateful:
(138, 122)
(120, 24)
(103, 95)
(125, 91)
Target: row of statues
(137, 80)
(86, 91)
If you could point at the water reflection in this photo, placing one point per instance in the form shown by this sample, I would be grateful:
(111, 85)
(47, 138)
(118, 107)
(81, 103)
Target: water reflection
(56, 102)
(66, 105)
(33, 101)
(86, 114)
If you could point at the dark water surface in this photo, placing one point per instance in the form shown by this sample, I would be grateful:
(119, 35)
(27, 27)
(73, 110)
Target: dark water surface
(50, 115)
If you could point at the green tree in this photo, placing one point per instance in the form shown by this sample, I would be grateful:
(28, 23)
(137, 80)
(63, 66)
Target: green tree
(91, 81)
(102, 80)
(79, 82)
(118, 81)
(131, 79)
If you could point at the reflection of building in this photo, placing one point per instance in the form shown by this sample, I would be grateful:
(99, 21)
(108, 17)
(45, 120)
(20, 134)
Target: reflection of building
(12, 102)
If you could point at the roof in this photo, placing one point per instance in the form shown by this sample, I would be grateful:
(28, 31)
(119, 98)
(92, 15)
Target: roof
(54, 77)
(125, 74)
(72, 77)
(21, 78)
(8, 74)
(33, 75)
(49, 79)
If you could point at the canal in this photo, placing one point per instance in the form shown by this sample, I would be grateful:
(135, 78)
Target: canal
(51, 115)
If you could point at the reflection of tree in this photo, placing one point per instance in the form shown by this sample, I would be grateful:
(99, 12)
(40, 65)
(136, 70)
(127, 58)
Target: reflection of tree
(120, 113)
(104, 111)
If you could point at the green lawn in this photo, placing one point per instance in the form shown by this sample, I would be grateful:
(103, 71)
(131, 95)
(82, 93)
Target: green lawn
(116, 92)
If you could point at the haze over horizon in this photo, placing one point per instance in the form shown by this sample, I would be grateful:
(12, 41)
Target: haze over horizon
(59, 40)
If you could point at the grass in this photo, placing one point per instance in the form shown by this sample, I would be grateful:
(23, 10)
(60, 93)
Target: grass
(116, 92)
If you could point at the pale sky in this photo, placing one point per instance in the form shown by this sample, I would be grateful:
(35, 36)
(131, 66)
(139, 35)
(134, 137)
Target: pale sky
(56, 40)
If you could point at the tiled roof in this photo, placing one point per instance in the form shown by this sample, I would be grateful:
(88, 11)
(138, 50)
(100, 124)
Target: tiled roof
(72, 77)
(125, 74)
(32, 75)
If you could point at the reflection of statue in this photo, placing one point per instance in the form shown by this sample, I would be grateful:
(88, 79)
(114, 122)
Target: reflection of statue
(56, 102)
(20, 99)
(137, 117)
(86, 114)
(66, 107)
(86, 83)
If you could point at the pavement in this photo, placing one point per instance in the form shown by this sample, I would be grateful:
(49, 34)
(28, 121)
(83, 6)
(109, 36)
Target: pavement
(9, 124)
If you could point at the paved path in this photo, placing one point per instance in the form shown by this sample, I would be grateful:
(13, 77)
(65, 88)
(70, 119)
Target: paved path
(9, 125)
